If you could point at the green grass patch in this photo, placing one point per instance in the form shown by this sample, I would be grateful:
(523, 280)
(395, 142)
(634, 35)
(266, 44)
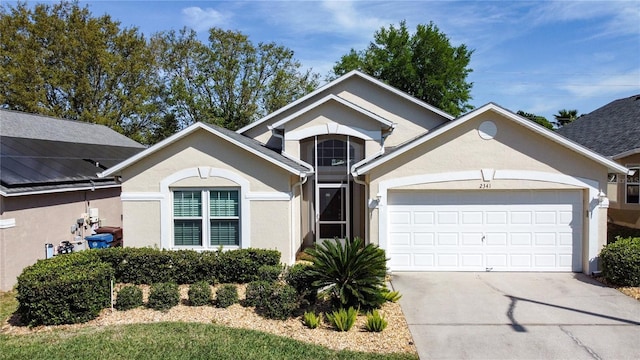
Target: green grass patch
(168, 341)
(8, 304)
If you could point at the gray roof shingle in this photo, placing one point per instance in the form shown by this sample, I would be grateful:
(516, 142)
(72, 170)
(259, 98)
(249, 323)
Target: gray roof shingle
(610, 130)
(41, 154)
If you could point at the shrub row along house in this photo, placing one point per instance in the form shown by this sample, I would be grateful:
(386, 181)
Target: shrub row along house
(489, 190)
(49, 182)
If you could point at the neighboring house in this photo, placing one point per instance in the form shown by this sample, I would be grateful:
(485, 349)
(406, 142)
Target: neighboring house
(614, 131)
(48, 180)
(489, 190)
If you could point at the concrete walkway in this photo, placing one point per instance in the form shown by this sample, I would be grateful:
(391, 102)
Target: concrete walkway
(518, 316)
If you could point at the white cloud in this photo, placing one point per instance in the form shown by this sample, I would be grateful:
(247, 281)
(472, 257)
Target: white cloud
(604, 84)
(620, 17)
(202, 19)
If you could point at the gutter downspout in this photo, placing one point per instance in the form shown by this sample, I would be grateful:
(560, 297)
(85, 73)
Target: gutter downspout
(292, 247)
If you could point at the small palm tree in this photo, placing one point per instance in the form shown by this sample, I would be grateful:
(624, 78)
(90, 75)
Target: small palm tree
(564, 117)
(352, 274)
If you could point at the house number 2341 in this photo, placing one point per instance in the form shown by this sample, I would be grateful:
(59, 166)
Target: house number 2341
(485, 186)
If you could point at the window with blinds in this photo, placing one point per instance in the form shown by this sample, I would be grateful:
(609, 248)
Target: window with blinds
(202, 214)
(224, 217)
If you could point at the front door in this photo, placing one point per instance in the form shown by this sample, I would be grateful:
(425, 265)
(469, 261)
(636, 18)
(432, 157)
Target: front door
(332, 211)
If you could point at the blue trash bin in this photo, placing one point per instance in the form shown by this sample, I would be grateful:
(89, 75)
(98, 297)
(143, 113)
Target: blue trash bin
(99, 241)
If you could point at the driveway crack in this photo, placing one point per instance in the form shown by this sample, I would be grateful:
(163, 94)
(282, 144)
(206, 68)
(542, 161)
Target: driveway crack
(579, 343)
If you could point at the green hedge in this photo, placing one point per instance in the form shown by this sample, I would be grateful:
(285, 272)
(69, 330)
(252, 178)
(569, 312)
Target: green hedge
(621, 262)
(73, 288)
(67, 289)
(147, 266)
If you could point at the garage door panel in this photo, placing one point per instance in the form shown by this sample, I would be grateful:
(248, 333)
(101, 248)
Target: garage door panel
(520, 239)
(447, 239)
(424, 217)
(496, 230)
(400, 218)
(521, 217)
(472, 217)
(447, 218)
(402, 239)
(471, 261)
(424, 239)
(497, 217)
(496, 239)
(545, 239)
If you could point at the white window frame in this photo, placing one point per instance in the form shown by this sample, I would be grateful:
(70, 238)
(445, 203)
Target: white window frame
(635, 167)
(205, 241)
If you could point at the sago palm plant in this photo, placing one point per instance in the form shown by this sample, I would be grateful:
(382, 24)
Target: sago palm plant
(351, 273)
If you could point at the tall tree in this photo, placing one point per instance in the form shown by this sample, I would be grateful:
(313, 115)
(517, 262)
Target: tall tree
(423, 64)
(537, 119)
(61, 61)
(230, 81)
(564, 117)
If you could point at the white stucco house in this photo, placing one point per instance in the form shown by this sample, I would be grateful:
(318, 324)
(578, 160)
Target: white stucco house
(488, 191)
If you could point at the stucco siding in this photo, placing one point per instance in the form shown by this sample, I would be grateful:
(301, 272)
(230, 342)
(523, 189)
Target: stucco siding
(47, 219)
(203, 149)
(412, 119)
(141, 223)
(270, 227)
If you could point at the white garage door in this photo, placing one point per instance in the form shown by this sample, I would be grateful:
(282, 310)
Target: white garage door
(485, 231)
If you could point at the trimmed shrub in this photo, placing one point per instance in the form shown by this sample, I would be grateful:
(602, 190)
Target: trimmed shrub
(375, 322)
(299, 277)
(621, 262)
(258, 293)
(163, 296)
(311, 320)
(352, 274)
(242, 266)
(226, 295)
(282, 303)
(270, 272)
(148, 266)
(200, 294)
(343, 320)
(129, 297)
(66, 289)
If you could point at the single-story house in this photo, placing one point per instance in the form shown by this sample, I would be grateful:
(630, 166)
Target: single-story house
(489, 190)
(49, 182)
(614, 131)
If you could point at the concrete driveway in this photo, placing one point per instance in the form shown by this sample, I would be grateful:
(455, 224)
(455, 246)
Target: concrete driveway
(517, 316)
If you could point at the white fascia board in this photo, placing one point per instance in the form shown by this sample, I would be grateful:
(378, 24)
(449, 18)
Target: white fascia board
(610, 164)
(60, 190)
(338, 81)
(626, 153)
(338, 99)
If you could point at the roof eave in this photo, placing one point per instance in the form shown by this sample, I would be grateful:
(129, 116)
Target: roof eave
(338, 81)
(174, 138)
(610, 164)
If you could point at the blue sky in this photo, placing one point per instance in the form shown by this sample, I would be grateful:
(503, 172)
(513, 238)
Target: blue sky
(538, 57)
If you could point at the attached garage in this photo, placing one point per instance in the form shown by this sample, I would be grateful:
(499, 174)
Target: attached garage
(529, 230)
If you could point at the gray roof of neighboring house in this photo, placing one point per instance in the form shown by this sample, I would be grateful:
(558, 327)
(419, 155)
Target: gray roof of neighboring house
(45, 154)
(24, 125)
(610, 130)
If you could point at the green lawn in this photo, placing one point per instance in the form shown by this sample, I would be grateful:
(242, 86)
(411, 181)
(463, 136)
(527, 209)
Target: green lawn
(8, 304)
(162, 341)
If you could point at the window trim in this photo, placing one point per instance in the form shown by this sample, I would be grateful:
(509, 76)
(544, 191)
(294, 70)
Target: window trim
(635, 167)
(206, 218)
